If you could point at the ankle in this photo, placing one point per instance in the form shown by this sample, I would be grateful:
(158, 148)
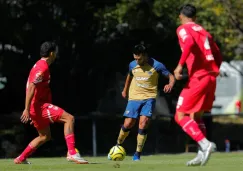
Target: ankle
(137, 153)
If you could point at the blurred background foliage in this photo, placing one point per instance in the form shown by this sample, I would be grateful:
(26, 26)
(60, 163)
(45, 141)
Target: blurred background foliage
(95, 39)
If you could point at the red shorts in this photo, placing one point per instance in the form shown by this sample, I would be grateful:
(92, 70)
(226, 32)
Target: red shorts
(197, 95)
(43, 115)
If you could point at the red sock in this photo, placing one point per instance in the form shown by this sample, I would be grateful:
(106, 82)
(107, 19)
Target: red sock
(191, 128)
(202, 127)
(70, 140)
(27, 152)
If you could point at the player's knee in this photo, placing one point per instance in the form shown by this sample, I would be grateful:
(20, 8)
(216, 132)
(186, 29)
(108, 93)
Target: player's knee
(143, 124)
(178, 117)
(129, 123)
(45, 138)
(142, 131)
(70, 118)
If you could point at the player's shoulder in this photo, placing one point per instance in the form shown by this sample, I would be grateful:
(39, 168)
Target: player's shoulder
(133, 64)
(197, 27)
(155, 64)
(41, 64)
(182, 32)
(179, 28)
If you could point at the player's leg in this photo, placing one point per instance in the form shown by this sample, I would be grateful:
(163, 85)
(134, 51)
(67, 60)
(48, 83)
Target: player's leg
(44, 136)
(198, 118)
(141, 137)
(146, 114)
(191, 100)
(73, 155)
(207, 106)
(125, 129)
(131, 113)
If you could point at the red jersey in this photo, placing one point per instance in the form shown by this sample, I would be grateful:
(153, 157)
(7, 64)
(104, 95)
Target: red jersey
(40, 76)
(199, 51)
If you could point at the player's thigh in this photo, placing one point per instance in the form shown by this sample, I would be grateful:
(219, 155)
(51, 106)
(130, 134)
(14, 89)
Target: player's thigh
(45, 132)
(66, 117)
(148, 108)
(39, 122)
(192, 96)
(51, 113)
(210, 95)
(133, 109)
(129, 122)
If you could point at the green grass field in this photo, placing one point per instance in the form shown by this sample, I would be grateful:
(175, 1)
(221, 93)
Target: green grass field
(218, 162)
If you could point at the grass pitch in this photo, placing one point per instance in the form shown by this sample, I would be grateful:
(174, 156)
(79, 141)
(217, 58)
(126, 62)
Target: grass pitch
(218, 162)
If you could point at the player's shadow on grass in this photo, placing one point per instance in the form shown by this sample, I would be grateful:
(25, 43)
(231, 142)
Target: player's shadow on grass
(96, 163)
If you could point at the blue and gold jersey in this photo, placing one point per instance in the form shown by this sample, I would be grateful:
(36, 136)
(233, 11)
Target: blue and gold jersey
(144, 84)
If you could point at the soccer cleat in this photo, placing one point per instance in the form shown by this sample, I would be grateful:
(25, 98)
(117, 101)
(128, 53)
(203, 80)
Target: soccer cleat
(197, 160)
(136, 157)
(77, 159)
(18, 161)
(109, 157)
(207, 153)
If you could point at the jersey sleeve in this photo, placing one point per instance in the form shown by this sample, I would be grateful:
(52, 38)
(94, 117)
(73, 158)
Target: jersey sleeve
(186, 42)
(131, 66)
(161, 69)
(37, 75)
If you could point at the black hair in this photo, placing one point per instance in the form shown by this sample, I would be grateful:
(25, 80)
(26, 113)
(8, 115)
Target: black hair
(188, 10)
(140, 49)
(46, 48)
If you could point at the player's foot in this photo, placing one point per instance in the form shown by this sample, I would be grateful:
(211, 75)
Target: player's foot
(207, 153)
(77, 159)
(136, 157)
(197, 160)
(18, 161)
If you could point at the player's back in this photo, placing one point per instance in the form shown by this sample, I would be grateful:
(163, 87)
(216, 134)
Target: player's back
(40, 76)
(201, 59)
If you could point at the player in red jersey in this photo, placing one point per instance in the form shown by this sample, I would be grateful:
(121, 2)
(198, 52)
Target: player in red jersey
(41, 112)
(203, 59)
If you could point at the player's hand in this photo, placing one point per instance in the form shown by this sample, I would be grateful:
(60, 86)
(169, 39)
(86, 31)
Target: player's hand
(124, 94)
(25, 116)
(168, 88)
(178, 71)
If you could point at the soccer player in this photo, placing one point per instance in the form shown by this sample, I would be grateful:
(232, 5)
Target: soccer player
(141, 85)
(203, 60)
(40, 110)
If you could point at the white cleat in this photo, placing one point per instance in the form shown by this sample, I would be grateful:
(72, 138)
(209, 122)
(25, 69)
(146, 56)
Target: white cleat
(76, 158)
(207, 153)
(197, 160)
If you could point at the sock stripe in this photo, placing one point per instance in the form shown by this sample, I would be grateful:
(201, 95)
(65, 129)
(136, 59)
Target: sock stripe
(187, 123)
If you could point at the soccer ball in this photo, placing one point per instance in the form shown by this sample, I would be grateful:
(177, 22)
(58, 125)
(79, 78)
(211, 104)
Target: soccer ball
(117, 153)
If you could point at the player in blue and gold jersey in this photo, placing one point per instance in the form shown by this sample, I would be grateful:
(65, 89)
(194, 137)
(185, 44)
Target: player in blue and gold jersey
(141, 87)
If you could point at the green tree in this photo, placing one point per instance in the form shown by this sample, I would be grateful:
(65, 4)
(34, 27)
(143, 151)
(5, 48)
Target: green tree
(222, 18)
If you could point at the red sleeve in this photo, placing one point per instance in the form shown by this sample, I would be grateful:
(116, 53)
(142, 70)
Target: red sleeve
(186, 42)
(217, 55)
(37, 75)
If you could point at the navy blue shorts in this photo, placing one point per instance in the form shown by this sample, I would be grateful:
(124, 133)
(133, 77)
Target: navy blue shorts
(137, 108)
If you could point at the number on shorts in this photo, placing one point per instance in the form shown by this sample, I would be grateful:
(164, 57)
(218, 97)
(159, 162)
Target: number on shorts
(179, 102)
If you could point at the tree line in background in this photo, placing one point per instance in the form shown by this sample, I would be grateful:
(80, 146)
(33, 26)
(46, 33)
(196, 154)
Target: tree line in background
(95, 39)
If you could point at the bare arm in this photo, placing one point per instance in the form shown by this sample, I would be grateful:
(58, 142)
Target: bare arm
(29, 95)
(171, 79)
(127, 85)
(169, 86)
(25, 117)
